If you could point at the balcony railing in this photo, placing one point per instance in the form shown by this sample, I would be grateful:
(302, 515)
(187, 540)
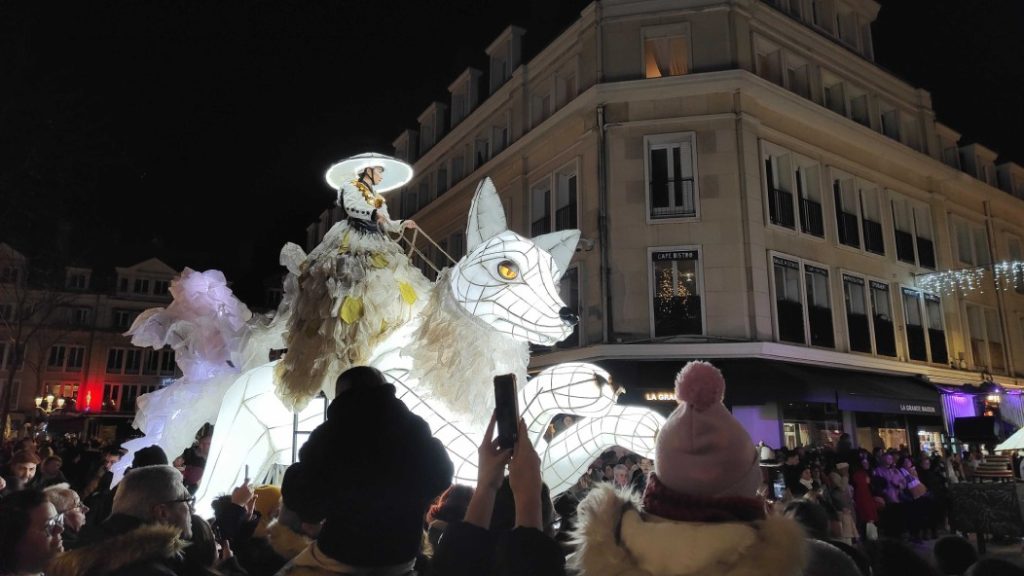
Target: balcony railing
(780, 207)
(811, 220)
(673, 199)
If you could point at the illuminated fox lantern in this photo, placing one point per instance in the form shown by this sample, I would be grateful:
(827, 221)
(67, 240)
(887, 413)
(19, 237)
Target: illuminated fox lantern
(479, 320)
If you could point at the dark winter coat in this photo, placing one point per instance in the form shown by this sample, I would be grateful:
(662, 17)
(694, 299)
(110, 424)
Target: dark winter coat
(126, 547)
(373, 519)
(469, 550)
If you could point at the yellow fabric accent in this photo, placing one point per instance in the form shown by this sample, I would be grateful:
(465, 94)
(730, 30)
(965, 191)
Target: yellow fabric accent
(343, 249)
(383, 326)
(408, 293)
(351, 310)
(378, 260)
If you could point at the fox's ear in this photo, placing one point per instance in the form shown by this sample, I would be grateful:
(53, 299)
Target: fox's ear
(561, 245)
(486, 215)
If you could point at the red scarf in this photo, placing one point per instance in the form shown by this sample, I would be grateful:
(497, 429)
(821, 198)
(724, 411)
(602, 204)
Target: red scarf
(664, 502)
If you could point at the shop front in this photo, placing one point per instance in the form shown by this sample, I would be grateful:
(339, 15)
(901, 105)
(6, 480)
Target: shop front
(793, 405)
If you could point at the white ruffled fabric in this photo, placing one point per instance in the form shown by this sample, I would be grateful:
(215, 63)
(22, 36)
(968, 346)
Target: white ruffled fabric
(213, 336)
(348, 263)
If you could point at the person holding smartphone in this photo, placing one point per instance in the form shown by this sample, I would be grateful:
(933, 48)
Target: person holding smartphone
(507, 528)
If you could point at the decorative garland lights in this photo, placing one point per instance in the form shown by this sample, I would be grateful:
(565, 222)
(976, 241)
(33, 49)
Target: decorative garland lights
(1007, 275)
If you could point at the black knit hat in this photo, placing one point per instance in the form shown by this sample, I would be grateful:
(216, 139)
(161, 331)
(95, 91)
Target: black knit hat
(371, 471)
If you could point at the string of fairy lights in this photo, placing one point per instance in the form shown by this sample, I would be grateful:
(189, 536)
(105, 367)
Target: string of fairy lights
(1002, 276)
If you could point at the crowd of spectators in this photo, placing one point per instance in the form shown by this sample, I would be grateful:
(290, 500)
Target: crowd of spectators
(383, 504)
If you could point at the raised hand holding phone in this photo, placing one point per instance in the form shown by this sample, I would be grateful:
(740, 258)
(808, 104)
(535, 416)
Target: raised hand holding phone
(506, 410)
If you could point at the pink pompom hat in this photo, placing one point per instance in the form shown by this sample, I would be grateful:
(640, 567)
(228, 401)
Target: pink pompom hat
(702, 451)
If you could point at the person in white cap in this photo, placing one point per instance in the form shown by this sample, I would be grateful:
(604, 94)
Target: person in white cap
(700, 513)
(354, 288)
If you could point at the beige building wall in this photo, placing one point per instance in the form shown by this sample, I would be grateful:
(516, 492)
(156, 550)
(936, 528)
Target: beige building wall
(757, 80)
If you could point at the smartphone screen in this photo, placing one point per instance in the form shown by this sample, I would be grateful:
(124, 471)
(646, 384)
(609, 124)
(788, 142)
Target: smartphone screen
(506, 409)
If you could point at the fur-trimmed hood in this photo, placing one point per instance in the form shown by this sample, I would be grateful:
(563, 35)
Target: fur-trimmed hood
(615, 538)
(284, 541)
(148, 543)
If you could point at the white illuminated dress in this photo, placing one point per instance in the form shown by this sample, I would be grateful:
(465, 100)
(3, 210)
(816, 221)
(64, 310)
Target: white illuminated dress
(350, 293)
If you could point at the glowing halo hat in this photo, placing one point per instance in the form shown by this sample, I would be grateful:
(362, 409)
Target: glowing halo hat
(396, 172)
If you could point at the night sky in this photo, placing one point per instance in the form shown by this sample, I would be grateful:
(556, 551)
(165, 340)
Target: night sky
(199, 131)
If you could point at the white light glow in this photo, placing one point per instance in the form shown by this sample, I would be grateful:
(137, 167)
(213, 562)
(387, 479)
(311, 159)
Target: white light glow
(481, 316)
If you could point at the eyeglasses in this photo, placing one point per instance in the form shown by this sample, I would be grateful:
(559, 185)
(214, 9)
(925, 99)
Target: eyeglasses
(190, 500)
(54, 526)
(78, 506)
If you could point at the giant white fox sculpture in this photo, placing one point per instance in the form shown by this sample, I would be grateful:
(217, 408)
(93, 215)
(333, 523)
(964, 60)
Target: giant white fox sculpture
(478, 322)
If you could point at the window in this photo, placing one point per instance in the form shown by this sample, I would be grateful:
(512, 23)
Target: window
(565, 86)
(665, 53)
(926, 336)
(79, 316)
(671, 175)
(1013, 247)
(971, 242)
(458, 168)
(789, 305)
(676, 302)
(4, 347)
(457, 245)
(77, 281)
(133, 361)
(123, 318)
(768, 61)
(860, 111)
(569, 290)
(410, 201)
(9, 274)
(986, 338)
(423, 195)
(483, 150)
(819, 306)
(56, 359)
(846, 27)
(562, 204)
(890, 120)
(540, 206)
(912, 228)
(856, 313)
(442, 179)
(798, 77)
(858, 210)
(141, 286)
(76, 358)
(540, 108)
(161, 287)
(150, 362)
(499, 135)
(115, 360)
(6, 313)
(834, 93)
(882, 319)
(793, 190)
(802, 302)
(167, 366)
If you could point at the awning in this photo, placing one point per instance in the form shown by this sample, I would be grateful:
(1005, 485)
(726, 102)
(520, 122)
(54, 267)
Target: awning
(759, 381)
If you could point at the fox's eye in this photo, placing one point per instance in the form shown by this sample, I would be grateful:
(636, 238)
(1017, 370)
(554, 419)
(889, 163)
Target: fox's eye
(508, 270)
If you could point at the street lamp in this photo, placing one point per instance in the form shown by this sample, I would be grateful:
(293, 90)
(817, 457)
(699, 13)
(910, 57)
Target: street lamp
(47, 405)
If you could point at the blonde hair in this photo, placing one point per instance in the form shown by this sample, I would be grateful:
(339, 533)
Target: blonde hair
(61, 496)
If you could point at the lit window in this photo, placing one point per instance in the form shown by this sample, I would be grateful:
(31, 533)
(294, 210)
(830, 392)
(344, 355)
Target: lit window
(666, 56)
(675, 286)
